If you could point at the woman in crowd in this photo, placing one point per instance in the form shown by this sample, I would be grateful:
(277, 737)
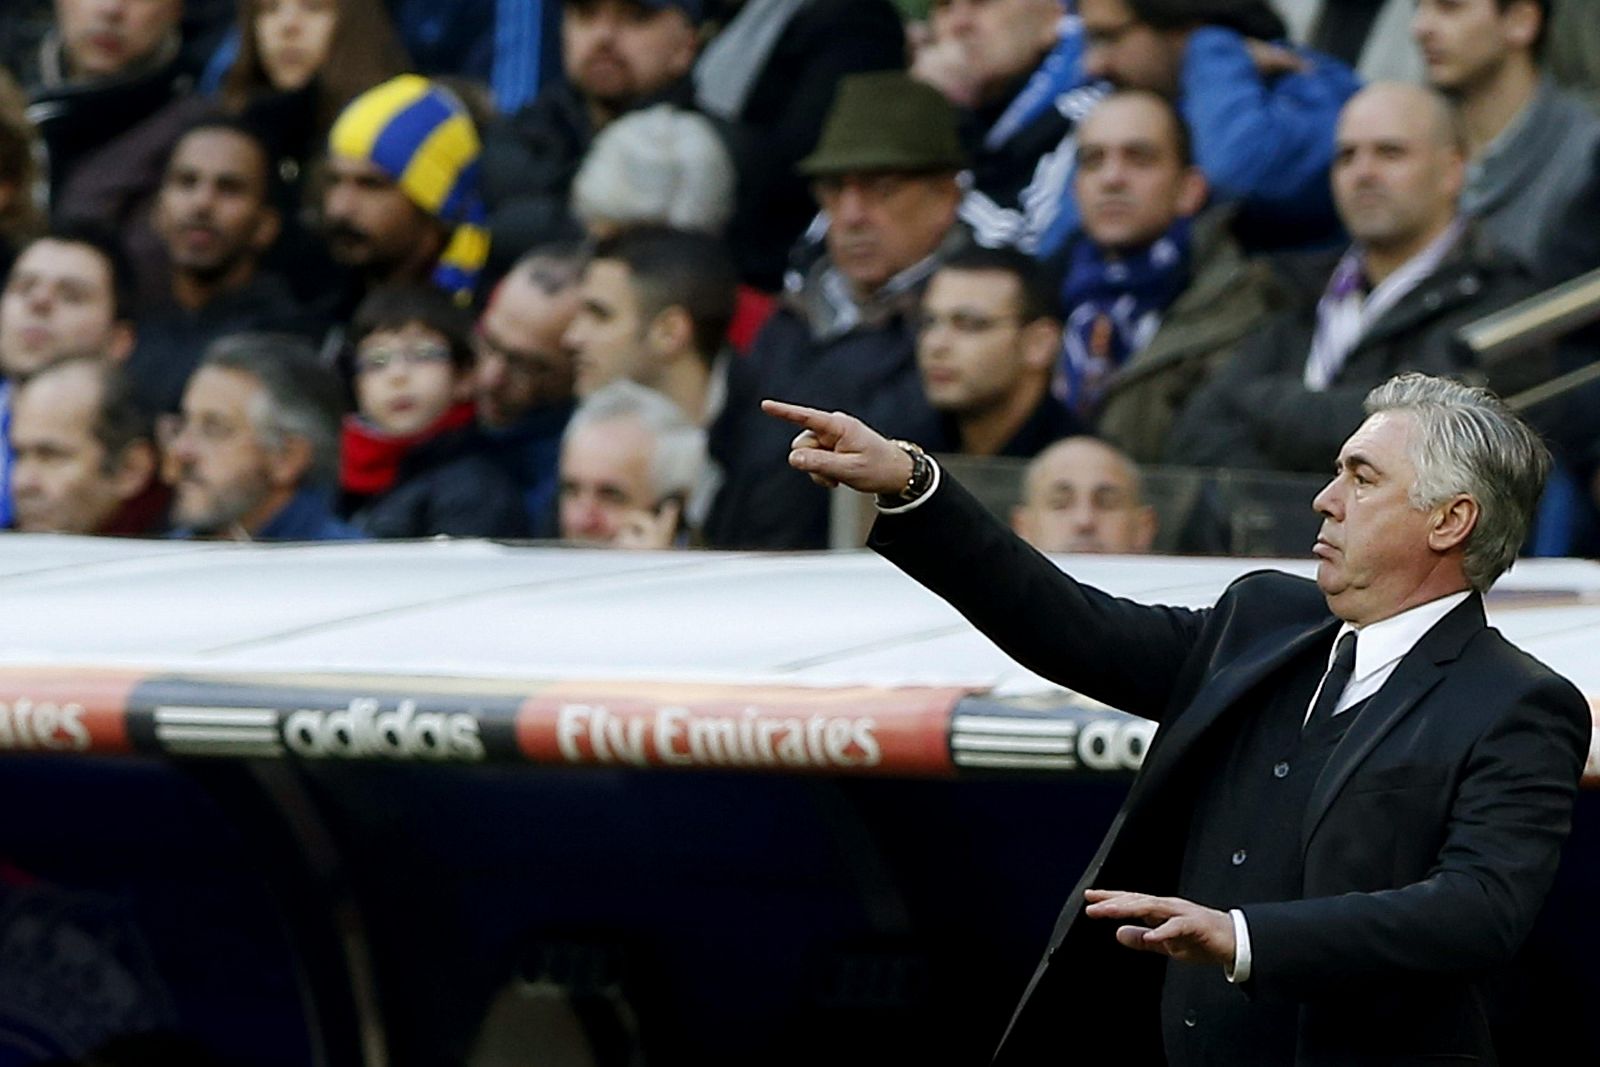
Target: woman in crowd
(299, 63)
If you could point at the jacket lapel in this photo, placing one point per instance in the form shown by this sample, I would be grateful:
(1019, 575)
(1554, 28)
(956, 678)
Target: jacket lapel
(1418, 672)
(1255, 662)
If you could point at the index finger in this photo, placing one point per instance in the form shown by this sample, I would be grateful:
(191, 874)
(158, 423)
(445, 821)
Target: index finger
(812, 419)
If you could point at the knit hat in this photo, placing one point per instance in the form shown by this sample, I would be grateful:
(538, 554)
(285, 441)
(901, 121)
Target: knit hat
(886, 120)
(422, 137)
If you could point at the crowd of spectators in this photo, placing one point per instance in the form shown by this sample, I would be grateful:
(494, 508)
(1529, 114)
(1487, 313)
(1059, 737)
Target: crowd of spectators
(318, 269)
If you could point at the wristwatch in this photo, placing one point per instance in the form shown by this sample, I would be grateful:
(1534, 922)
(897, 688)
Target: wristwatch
(921, 479)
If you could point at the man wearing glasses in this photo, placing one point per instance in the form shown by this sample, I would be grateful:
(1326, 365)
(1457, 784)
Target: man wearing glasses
(254, 453)
(522, 377)
(988, 337)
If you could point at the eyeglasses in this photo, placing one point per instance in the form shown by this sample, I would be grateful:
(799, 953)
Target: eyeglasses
(525, 364)
(370, 359)
(970, 323)
(211, 428)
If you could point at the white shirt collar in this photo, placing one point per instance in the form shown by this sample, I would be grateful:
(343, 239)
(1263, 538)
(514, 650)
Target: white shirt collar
(1381, 644)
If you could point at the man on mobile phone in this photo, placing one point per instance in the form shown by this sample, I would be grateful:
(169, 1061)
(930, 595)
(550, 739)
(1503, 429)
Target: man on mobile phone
(633, 468)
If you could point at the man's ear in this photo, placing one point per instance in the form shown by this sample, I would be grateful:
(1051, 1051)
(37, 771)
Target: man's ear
(1192, 193)
(1453, 522)
(1521, 22)
(671, 332)
(267, 229)
(1145, 531)
(133, 470)
(120, 345)
(1041, 344)
(288, 464)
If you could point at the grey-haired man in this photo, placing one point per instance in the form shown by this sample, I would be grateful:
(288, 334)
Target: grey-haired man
(1356, 801)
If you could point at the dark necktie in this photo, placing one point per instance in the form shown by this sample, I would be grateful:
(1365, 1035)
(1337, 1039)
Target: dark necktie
(1333, 683)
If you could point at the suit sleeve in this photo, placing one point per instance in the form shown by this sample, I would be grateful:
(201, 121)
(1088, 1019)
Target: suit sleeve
(1128, 655)
(1511, 812)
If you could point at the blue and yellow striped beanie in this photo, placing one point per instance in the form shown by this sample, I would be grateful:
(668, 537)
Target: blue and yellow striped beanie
(422, 137)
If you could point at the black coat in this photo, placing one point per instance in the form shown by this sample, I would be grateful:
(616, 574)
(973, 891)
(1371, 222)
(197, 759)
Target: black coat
(1428, 843)
(172, 339)
(1257, 413)
(450, 485)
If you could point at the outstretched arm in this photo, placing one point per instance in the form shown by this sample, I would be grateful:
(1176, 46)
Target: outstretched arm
(1131, 656)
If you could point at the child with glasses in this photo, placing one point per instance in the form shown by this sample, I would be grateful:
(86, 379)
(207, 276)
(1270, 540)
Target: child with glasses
(414, 463)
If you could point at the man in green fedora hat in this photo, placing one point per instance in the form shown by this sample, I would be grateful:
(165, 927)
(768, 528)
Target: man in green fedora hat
(885, 172)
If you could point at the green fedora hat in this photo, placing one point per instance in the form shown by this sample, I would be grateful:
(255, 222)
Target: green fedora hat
(886, 120)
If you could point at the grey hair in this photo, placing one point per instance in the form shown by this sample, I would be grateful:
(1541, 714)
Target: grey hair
(1465, 440)
(679, 458)
(299, 396)
(660, 165)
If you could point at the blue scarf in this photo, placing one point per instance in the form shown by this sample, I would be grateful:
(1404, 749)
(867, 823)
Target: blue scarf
(1060, 73)
(1114, 308)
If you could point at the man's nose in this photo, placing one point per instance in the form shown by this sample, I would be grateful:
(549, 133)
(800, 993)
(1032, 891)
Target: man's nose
(1421, 25)
(608, 23)
(573, 339)
(1325, 502)
(24, 478)
(336, 202)
(202, 199)
(1094, 61)
(957, 18)
(491, 371)
(851, 206)
(592, 518)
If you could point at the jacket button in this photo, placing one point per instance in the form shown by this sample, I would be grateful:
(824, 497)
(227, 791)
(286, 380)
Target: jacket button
(1281, 770)
(1191, 1017)
(1432, 301)
(1470, 285)
(1239, 857)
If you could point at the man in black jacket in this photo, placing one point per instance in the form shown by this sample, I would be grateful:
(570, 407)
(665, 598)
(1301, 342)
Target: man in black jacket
(216, 217)
(1356, 800)
(885, 172)
(1394, 301)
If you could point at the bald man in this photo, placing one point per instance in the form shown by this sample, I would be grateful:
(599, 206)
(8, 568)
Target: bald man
(1414, 274)
(1083, 495)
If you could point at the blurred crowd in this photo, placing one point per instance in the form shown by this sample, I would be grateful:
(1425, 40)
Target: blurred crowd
(325, 269)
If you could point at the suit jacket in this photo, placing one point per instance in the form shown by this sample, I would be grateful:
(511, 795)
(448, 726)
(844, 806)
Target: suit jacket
(1429, 841)
(1256, 412)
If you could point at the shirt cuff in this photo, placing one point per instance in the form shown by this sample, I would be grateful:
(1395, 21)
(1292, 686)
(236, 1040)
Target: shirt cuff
(901, 509)
(1240, 971)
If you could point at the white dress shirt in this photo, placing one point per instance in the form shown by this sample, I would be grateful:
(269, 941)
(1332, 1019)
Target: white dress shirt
(1380, 646)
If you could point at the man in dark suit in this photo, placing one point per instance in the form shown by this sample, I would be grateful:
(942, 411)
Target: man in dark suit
(1356, 801)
